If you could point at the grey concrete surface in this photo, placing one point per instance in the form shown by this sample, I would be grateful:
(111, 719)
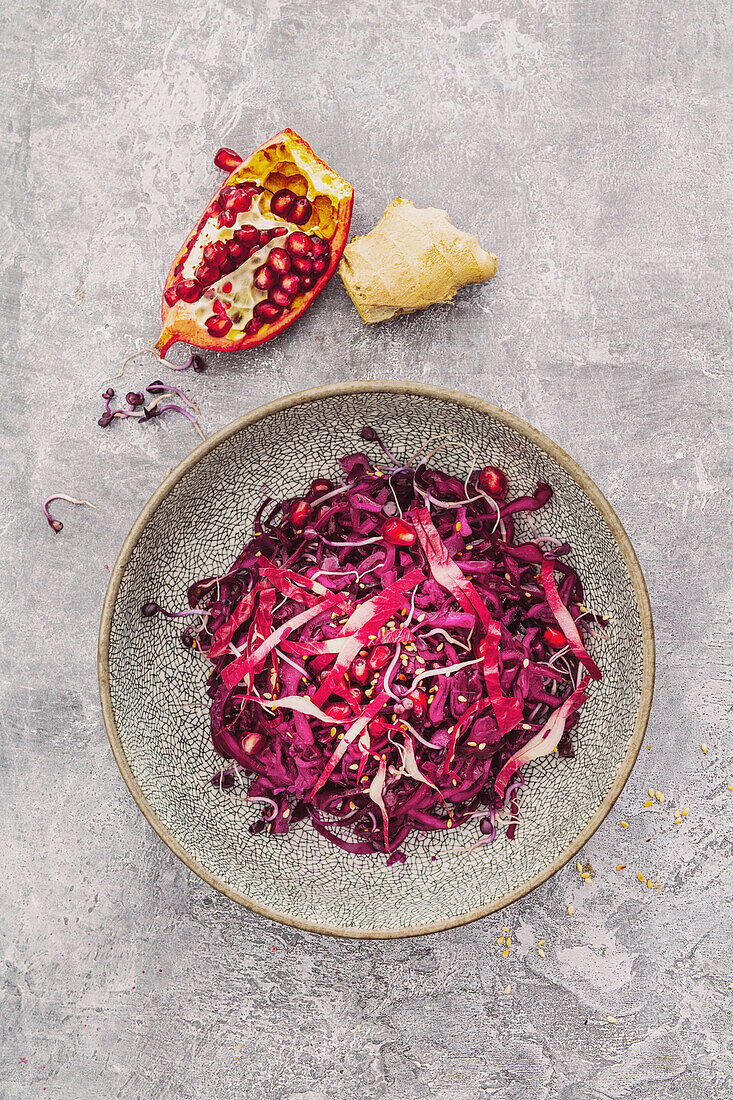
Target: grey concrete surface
(586, 144)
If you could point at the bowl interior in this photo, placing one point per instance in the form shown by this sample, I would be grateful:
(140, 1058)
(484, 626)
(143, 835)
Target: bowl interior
(159, 719)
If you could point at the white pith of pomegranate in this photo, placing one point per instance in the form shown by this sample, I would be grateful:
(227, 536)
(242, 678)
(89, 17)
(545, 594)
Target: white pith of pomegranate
(250, 262)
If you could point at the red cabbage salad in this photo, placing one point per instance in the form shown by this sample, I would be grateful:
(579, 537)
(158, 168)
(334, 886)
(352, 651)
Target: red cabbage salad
(387, 655)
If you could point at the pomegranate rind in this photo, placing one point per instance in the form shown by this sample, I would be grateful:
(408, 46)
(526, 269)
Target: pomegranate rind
(314, 178)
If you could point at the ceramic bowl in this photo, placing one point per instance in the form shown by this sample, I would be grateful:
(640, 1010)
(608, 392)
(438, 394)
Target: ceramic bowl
(155, 708)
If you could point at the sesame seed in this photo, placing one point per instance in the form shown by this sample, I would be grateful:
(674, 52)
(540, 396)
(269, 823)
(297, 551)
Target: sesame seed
(286, 812)
(704, 747)
(482, 746)
(526, 726)
(648, 802)
(612, 1019)
(505, 952)
(650, 792)
(659, 796)
(525, 663)
(505, 928)
(625, 824)
(571, 910)
(585, 875)
(639, 876)
(541, 953)
(684, 813)
(501, 939)
(462, 699)
(620, 866)
(579, 865)
(507, 990)
(509, 941)
(471, 744)
(540, 942)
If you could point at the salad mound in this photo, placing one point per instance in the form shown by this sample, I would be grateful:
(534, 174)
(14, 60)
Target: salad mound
(387, 655)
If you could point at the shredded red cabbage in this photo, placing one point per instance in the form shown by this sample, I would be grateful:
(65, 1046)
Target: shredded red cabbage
(386, 655)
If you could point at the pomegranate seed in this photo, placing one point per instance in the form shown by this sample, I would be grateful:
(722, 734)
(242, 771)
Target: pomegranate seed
(360, 671)
(228, 266)
(319, 247)
(171, 295)
(189, 290)
(219, 307)
(555, 638)
(281, 202)
(378, 657)
(278, 231)
(227, 218)
(398, 533)
(290, 283)
(301, 513)
(264, 237)
(240, 202)
(307, 281)
(252, 327)
(267, 311)
(321, 486)
(339, 711)
(320, 264)
(355, 697)
(247, 235)
(378, 726)
(298, 244)
(215, 253)
(493, 481)
(252, 742)
(227, 288)
(206, 274)
(237, 251)
(300, 212)
(218, 326)
(280, 297)
(279, 261)
(212, 210)
(303, 265)
(419, 702)
(265, 278)
(227, 159)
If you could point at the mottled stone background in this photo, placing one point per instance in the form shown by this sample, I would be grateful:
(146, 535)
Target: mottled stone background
(586, 144)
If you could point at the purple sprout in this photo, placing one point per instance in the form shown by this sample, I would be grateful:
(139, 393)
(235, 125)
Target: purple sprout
(56, 524)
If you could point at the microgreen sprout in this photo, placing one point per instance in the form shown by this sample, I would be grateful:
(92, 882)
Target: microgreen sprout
(56, 524)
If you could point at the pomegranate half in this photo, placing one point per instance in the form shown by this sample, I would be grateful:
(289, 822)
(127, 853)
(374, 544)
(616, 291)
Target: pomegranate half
(265, 247)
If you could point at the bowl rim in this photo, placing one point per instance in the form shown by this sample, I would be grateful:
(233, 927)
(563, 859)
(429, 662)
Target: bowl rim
(456, 397)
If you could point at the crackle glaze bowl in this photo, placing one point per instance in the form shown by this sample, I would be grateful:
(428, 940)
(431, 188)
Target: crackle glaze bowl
(155, 707)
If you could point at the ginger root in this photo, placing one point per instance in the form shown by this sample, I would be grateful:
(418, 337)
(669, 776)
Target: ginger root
(412, 259)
